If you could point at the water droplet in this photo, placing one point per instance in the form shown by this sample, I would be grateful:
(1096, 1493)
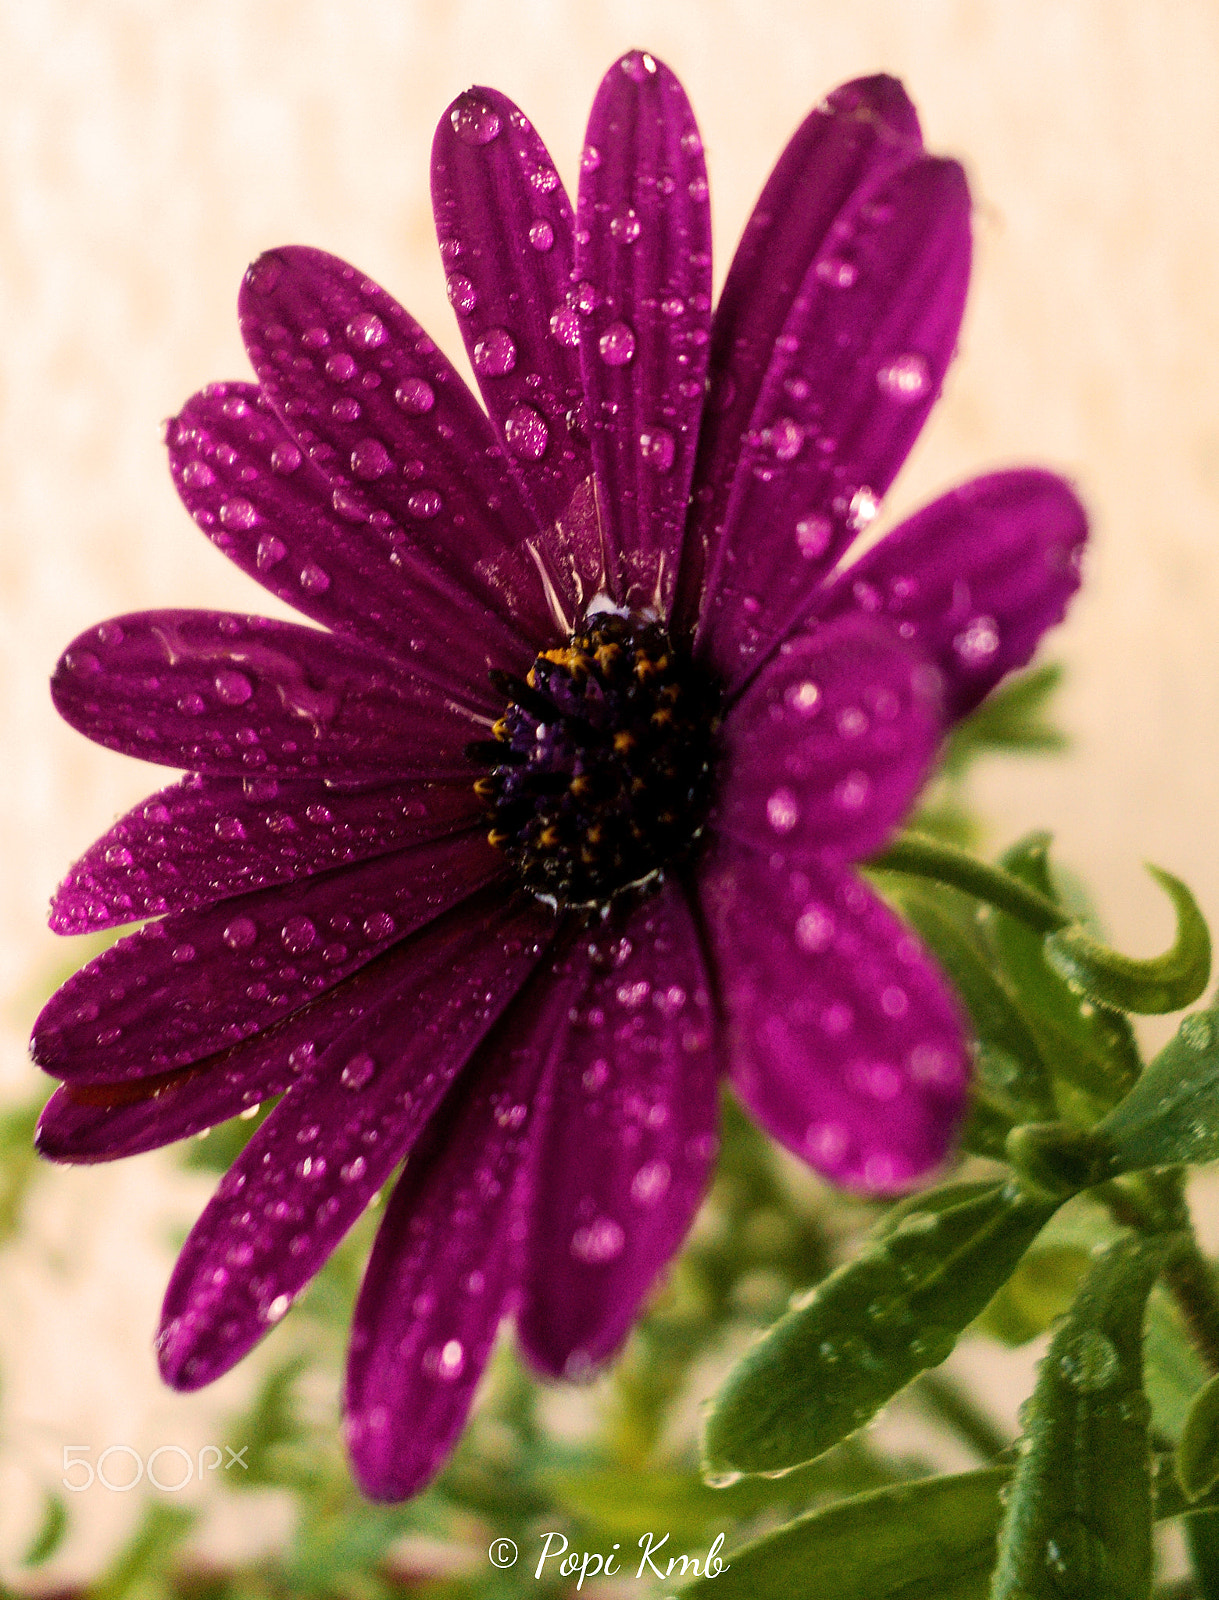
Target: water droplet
(815, 929)
(541, 235)
(690, 142)
(639, 66)
(340, 367)
(314, 579)
(415, 396)
(977, 643)
(804, 698)
(352, 1171)
(782, 811)
(238, 513)
(836, 272)
(495, 354)
(853, 792)
(278, 1308)
(463, 296)
(1089, 1362)
(233, 688)
(183, 953)
(526, 432)
(852, 723)
(626, 226)
(366, 330)
(197, 475)
(658, 448)
(602, 1240)
(370, 459)
(905, 378)
(617, 344)
(697, 188)
(863, 508)
(450, 1361)
(298, 934)
(784, 439)
(241, 933)
(263, 274)
(474, 121)
(424, 504)
(590, 158)
(285, 458)
(565, 327)
(651, 1183)
(827, 1142)
(1197, 1031)
(358, 1072)
(813, 535)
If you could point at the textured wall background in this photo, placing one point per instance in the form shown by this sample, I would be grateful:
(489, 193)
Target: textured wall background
(150, 148)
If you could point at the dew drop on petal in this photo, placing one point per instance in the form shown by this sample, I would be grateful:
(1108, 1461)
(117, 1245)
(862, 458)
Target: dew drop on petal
(415, 396)
(853, 792)
(183, 953)
(370, 459)
(495, 354)
(241, 933)
(813, 535)
(233, 688)
(697, 188)
(366, 330)
(358, 1072)
(905, 378)
(463, 296)
(590, 158)
(238, 513)
(474, 121)
(863, 508)
(639, 66)
(625, 226)
(297, 935)
(815, 929)
(602, 1240)
(837, 273)
(541, 235)
(804, 697)
(827, 1143)
(651, 1183)
(424, 504)
(278, 1308)
(565, 326)
(314, 579)
(617, 344)
(352, 1171)
(285, 458)
(977, 643)
(658, 448)
(782, 811)
(526, 432)
(263, 274)
(340, 366)
(784, 439)
(197, 475)
(450, 1361)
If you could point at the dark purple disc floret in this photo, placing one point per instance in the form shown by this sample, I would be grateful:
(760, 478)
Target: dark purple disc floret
(551, 824)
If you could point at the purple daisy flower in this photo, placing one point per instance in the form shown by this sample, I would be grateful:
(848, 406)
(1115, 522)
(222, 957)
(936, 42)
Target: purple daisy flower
(550, 824)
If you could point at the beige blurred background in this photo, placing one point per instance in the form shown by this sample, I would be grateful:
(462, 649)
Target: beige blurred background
(149, 150)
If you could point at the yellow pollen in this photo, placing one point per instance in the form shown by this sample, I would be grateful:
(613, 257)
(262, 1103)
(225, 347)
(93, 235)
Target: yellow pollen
(497, 838)
(624, 741)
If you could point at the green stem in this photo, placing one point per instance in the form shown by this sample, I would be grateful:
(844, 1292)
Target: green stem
(922, 857)
(953, 1405)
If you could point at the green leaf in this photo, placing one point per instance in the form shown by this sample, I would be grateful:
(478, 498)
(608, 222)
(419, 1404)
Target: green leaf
(1171, 1116)
(143, 1564)
(1198, 1449)
(1041, 1289)
(1163, 983)
(873, 1325)
(1087, 1047)
(1011, 718)
(50, 1534)
(1173, 1371)
(1079, 1517)
(929, 1540)
(1202, 1538)
(1010, 1067)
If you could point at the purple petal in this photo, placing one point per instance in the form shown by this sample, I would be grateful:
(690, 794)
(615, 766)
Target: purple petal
(505, 229)
(643, 261)
(828, 746)
(246, 696)
(446, 1257)
(385, 418)
(629, 1132)
(258, 498)
(859, 136)
(846, 1043)
(313, 1166)
(207, 839)
(84, 1122)
(851, 379)
(200, 981)
(975, 578)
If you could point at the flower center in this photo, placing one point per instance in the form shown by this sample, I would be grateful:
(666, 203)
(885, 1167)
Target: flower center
(601, 765)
